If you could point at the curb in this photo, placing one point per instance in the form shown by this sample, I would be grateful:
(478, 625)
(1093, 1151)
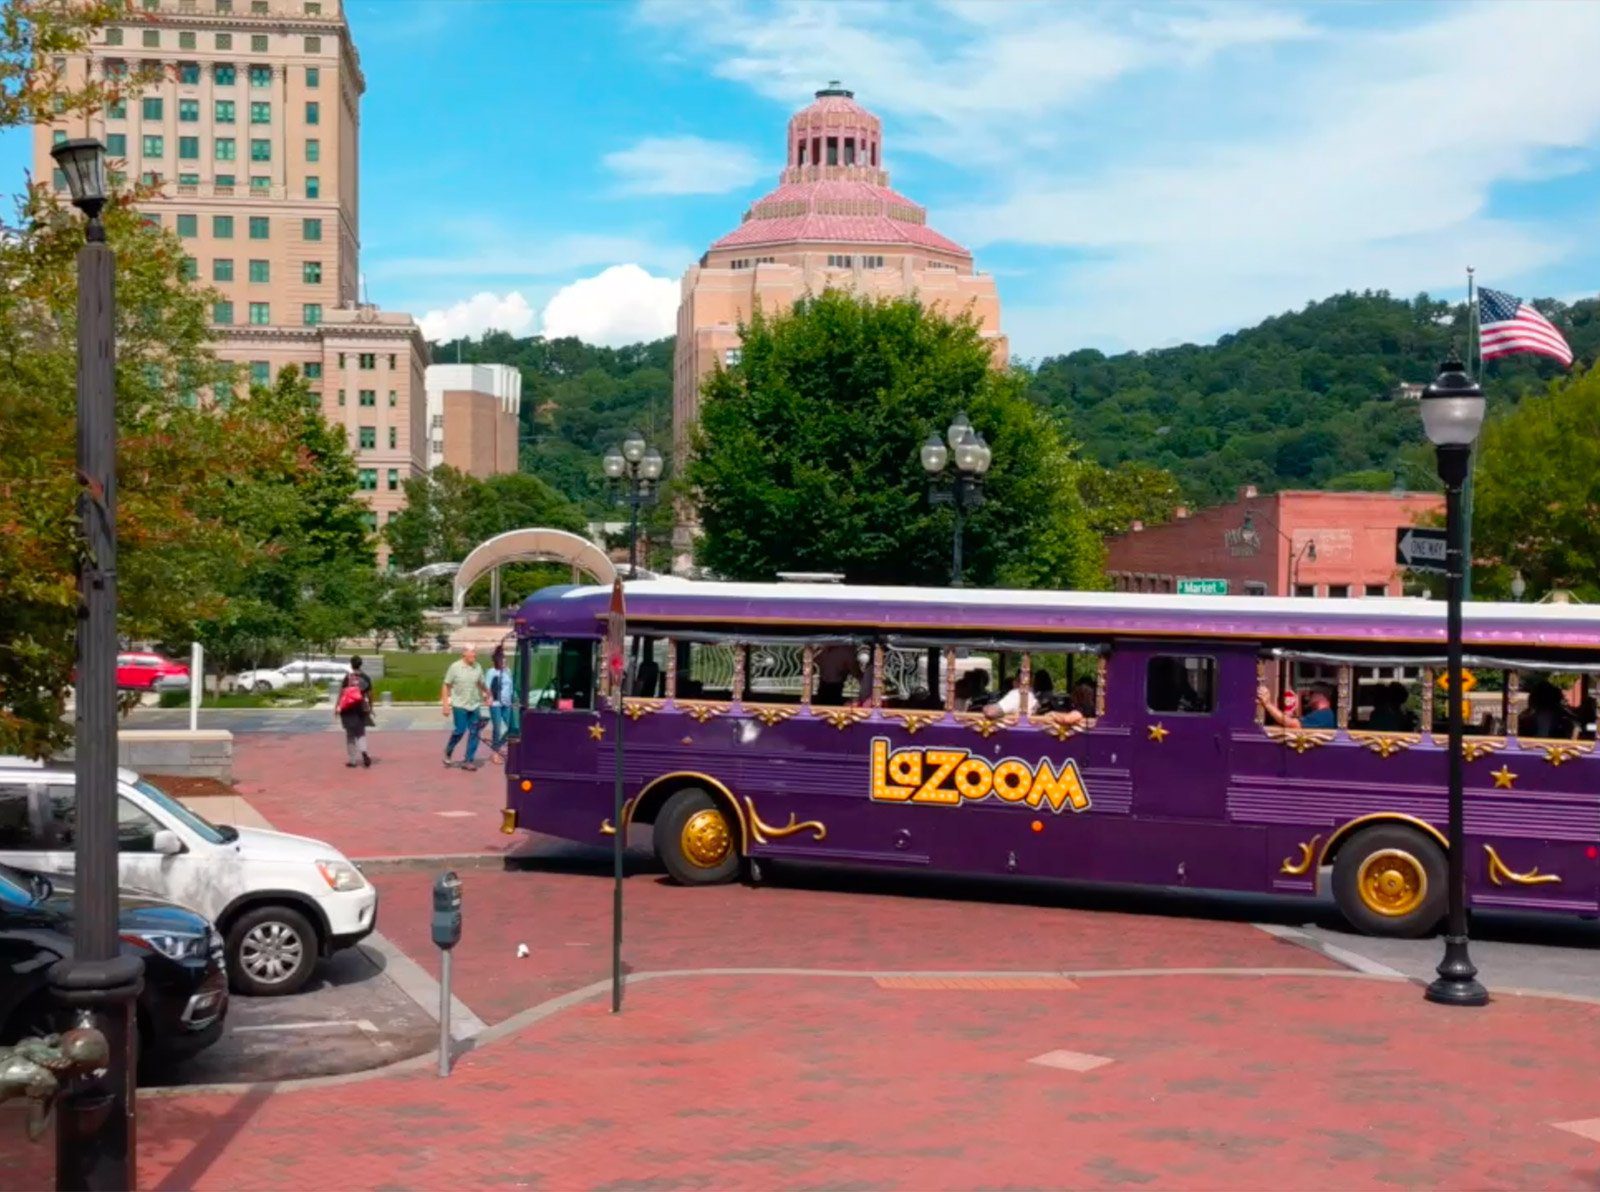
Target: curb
(414, 861)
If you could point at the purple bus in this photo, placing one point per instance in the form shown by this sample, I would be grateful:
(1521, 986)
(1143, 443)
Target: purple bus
(1214, 743)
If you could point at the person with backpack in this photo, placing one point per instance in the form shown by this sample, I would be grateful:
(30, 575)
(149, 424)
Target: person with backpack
(353, 709)
(498, 681)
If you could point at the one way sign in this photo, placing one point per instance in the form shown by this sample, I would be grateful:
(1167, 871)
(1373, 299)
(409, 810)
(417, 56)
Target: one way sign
(1420, 550)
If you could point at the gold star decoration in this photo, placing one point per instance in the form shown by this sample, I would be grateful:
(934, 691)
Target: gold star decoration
(597, 732)
(1158, 733)
(1503, 777)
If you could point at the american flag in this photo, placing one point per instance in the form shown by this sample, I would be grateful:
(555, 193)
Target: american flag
(1507, 324)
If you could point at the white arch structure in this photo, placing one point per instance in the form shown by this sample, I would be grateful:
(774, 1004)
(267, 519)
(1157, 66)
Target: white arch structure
(536, 545)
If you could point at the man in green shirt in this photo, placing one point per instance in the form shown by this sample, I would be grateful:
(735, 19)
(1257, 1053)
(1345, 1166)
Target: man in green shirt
(463, 696)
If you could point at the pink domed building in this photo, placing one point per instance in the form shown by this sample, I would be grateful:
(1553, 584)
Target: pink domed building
(834, 221)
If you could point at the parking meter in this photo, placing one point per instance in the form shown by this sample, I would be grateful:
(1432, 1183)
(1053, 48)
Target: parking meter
(446, 935)
(447, 910)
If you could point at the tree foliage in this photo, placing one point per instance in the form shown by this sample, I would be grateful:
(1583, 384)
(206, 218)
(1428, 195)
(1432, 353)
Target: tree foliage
(806, 456)
(34, 35)
(1537, 501)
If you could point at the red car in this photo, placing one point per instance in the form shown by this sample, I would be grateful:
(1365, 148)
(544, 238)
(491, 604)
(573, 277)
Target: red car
(139, 670)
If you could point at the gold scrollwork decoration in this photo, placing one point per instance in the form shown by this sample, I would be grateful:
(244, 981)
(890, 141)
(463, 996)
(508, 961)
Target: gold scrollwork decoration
(1301, 740)
(636, 708)
(1058, 728)
(1386, 745)
(1500, 874)
(842, 718)
(702, 711)
(1472, 748)
(764, 832)
(1559, 753)
(985, 726)
(606, 828)
(771, 714)
(1301, 865)
(913, 722)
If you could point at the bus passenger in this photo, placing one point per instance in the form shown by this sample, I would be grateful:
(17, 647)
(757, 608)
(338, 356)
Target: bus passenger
(1548, 716)
(1321, 714)
(1083, 697)
(1388, 711)
(835, 665)
(1016, 701)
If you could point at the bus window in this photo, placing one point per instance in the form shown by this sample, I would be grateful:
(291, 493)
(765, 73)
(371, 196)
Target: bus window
(705, 670)
(647, 666)
(1181, 683)
(1065, 680)
(1384, 704)
(911, 677)
(560, 675)
(774, 672)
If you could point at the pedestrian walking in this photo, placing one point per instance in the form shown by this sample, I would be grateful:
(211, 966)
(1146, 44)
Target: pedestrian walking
(462, 697)
(353, 710)
(498, 681)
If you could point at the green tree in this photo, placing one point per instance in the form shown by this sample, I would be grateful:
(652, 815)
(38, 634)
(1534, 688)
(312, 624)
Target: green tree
(34, 34)
(398, 611)
(1117, 497)
(806, 454)
(1537, 502)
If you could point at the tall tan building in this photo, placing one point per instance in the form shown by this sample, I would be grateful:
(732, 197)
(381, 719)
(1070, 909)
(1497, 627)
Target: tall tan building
(833, 221)
(254, 138)
(473, 417)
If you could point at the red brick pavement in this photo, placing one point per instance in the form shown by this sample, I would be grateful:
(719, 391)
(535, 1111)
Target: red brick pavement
(786, 1082)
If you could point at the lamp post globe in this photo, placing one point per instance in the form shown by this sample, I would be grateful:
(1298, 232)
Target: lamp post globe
(614, 464)
(935, 455)
(650, 466)
(985, 456)
(1452, 410)
(1519, 587)
(83, 162)
(633, 447)
(968, 454)
(958, 430)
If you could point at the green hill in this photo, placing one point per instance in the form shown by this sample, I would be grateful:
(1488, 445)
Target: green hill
(1304, 399)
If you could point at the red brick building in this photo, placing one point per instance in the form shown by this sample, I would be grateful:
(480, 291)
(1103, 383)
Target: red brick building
(1287, 543)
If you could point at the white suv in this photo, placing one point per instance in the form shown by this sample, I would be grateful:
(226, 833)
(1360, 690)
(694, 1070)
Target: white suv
(280, 901)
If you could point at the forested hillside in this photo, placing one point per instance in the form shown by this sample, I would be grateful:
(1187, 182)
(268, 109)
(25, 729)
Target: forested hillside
(1302, 400)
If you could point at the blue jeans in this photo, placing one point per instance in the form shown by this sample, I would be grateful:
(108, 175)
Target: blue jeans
(501, 718)
(464, 723)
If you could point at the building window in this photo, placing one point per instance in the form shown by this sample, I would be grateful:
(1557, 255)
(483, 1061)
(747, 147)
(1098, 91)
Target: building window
(151, 38)
(223, 149)
(1377, 589)
(260, 184)
(260, 113)
(189, 180)
(258, 45)
(1305, 589)
(189, 148)
(367, 360)
(313, 370)
(222, 227)
(222, 312)
(118, 110)
(260, 150)
(1254, 587)
(311, 313)
(394, 477)
(741, 263)
(341, 359)
(369, 438)
(116, 144)
(260, 372)
(260, 313)
(367, 479)
(341, 397)
(191, 269)
(221, 268)
(313, 76)
(260, 226)
(313, 112)
(188, 111)
(223, 76)
(391, 359)
(259, 7)
(224, 7)
(188, 226)
(260, 271)
(311, 229)
(225, 42)
(872, 262)
(732, 356)
(261, 76)
(150, 107)
(113, 36)
(394, 398)
(313, 187)
(313, 149)
(837, 261)
(311, 271)
(154, 147)
(1339, 591)
(369, 397)
(394, 437)
(116, 69)
(58, 179)
(224, 111)
(224, 184)
(188, 72)
(313, 45)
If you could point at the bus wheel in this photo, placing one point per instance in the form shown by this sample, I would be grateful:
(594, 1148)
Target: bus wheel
(695, 841)
(1390, 880)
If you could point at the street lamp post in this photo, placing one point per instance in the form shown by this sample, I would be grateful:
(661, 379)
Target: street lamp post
(962, 489)
(1307, 553)
(634, 470)
(95, 1135)
(1452, 413)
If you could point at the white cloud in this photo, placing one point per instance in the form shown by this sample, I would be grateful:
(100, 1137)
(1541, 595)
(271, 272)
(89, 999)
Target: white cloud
(683, 166)
(620, 305)
(480, 313)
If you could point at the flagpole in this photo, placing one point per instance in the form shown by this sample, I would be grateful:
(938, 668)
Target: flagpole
(616, 667)
(1473, 346)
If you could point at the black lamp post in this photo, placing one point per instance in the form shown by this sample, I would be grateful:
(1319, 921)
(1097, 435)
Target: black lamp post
(95, 1136)
(1452, 413)
(1308, 552)
(634, 470)
(962, 489)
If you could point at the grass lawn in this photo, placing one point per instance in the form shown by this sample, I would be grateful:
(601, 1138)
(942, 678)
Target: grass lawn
(412, 678)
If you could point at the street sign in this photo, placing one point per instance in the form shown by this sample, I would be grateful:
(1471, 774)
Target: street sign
(1202, 587)
(1419, 549)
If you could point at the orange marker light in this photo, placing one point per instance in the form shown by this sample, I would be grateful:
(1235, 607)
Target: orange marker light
(1038, 825)
(527, 785)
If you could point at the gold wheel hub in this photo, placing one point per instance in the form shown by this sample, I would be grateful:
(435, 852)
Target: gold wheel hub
(1392, 882)
(705, 840)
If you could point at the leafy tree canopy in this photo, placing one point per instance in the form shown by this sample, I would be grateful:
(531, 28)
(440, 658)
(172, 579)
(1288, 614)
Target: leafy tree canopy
(807, 454)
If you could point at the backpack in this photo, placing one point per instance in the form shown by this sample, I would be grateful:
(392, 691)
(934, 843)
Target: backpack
(351, 696)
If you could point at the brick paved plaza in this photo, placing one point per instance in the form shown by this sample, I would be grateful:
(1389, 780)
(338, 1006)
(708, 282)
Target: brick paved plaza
(824, 1034)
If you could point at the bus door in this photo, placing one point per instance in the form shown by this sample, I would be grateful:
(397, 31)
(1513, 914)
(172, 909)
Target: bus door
(1179, 729)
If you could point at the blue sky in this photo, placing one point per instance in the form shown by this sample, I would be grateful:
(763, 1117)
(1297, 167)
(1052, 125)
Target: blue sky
(1134, 175)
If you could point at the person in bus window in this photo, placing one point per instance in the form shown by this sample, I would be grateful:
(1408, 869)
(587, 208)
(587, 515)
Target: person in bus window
(1019, 702)
(1388, 711)
(1083, 697)
(1548, 716)
(1319, 710)
(835, 666)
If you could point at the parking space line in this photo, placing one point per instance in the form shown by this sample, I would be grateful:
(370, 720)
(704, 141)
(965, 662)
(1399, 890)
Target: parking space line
(416, 983)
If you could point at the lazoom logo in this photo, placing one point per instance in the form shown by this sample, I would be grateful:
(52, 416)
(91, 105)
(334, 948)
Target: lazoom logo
(949, 777)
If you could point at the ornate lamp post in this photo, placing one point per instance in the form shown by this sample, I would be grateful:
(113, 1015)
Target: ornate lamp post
(962, 489)
(95, 1130)
(634, 470)
(1452, 413)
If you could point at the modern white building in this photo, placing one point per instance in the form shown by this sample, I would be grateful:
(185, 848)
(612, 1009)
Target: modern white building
(474, 412)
